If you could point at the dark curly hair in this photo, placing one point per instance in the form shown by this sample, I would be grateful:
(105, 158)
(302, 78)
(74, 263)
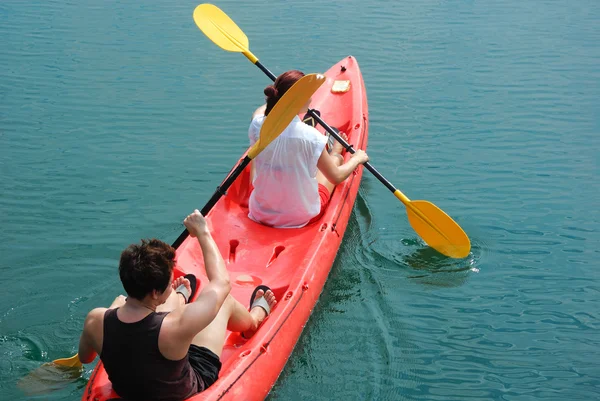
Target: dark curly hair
(145, 267)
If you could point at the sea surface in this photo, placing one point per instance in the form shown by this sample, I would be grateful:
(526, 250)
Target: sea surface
(118, 118)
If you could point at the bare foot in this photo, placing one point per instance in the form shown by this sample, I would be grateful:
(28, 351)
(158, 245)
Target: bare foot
(177, 282)
(258, 313)
(338, 147)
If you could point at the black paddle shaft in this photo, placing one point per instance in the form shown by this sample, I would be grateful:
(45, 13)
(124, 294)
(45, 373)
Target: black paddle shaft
(219, 192)
(350, 149)
(345, 144)
(265, 70)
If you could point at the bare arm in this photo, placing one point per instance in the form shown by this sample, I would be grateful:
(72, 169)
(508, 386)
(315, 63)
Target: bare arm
(93, 327)
(337, 174)
(87, 344)
(194, 317)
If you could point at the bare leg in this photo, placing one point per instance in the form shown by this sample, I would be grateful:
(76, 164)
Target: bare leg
(338, 147)
(338, 159)
(175, 299)
(321, 179)
(232, 316)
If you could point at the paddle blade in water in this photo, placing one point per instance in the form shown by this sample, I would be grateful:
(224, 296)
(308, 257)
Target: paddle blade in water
(285, 110)
(438, 229)
(220, 28)
(51, 377)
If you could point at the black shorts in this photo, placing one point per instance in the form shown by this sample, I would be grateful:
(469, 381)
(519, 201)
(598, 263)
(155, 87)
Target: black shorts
(206, 365)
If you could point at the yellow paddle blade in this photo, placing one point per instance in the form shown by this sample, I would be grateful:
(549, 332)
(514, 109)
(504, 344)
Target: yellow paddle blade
(438, 229)
(47, 378)
(285, 110)
(221, 29)
(72, 362)
(52, 376)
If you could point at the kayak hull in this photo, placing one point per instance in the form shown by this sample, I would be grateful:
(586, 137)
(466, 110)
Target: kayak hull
(294, 263)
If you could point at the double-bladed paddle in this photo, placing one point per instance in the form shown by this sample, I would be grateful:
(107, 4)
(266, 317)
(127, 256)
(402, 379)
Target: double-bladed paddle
(436, 228)
(278, 119)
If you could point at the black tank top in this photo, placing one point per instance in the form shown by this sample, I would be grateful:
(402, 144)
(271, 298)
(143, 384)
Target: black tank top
(135, 366)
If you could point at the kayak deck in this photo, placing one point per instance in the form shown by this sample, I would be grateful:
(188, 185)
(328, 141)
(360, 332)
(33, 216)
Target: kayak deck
(294, 263)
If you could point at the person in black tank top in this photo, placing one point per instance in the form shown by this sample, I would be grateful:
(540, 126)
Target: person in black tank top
(155, 344)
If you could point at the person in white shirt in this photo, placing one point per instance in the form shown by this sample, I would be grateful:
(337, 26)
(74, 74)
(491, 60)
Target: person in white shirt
(293, 178)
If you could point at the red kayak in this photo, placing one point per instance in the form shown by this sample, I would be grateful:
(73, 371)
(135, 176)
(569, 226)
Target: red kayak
(294, 262)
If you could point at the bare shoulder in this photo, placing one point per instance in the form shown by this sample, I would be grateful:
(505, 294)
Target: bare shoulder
(97, 312)
(94, 319)
(173, 319)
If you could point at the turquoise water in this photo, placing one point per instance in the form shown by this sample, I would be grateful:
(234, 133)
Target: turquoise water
(118, 118)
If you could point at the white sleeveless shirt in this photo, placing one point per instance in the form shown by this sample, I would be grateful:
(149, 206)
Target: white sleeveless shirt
(286, 191)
